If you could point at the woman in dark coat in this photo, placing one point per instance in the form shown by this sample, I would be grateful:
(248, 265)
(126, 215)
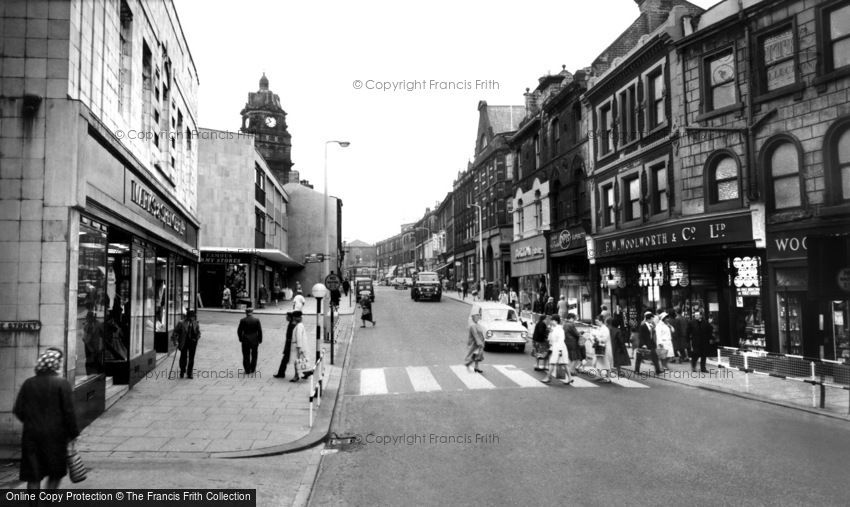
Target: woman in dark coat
(46, 409)
(619, 336)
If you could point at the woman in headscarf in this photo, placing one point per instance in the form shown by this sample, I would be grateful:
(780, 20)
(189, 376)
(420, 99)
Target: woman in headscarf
(603, 354)
(46, 409)
(558, 354)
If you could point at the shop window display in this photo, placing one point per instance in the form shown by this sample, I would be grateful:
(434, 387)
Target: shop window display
(150, 299)
(841, 330)
(92, 301)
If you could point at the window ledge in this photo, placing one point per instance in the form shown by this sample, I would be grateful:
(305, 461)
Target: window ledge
(656, 129)
(835, 209)
(723, 205)
(822, 80)
(785, 90)
(736, 107)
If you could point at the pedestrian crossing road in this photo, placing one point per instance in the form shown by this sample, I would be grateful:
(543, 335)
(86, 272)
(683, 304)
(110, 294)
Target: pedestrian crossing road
(425, 379)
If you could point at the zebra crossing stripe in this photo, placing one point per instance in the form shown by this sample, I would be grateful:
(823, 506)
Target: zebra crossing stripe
(624, 382)
(373, 381)
(471, 380)
(580, 382)
(422, 379)
(519, 377)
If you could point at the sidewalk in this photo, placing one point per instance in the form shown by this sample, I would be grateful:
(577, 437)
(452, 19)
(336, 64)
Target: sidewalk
(777, 391)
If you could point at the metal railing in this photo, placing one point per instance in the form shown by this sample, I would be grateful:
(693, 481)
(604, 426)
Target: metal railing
(820, 373)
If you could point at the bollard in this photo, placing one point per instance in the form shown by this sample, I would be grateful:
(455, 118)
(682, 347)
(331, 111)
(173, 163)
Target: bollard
(814, 378)
(746, 372)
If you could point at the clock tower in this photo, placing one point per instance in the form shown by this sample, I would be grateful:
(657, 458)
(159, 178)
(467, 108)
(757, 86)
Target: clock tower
(263, 117)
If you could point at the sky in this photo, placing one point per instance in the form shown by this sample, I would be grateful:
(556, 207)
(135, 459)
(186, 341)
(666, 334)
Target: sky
(400, 81)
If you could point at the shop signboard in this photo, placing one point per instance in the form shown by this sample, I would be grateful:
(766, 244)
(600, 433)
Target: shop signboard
(528, 256)
(224, 258)
(571, 239)
(829, 271)
(712, 231)
(787, 245)
(154, 207)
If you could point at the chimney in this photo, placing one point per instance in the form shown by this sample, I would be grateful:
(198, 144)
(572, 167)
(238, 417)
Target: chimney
(530, 102)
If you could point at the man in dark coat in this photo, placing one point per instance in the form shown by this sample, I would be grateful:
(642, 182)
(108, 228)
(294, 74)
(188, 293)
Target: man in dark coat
(250, 333)
(700, 333)
(45, 406)
(571, 340)
(646, 334)
(346, 286)
(287, 346)
(185, 336)
(680, 335)
(551, 307)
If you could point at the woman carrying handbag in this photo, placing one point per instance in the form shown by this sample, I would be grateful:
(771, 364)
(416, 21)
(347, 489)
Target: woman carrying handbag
(46, 408)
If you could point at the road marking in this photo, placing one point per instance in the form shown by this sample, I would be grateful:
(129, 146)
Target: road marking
(520, 377)
(471, 380)
(372, 381)
(422, 379)
(624, 382)
(580, 382)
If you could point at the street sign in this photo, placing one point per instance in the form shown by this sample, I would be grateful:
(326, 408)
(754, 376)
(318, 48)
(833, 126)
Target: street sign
(316, 257)
(332, 281)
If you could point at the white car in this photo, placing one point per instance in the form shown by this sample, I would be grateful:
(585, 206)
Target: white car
(501, 324)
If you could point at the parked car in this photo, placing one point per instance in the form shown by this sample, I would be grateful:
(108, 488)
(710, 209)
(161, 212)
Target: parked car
(398, 283)
(426, 285)
(408, 282)
(501, 324)
(364, 284)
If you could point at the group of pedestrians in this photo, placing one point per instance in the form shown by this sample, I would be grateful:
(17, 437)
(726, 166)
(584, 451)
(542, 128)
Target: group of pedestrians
(665, 337)
(562, 347)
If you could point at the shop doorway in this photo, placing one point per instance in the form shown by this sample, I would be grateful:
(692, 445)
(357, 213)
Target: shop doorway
(211, 284)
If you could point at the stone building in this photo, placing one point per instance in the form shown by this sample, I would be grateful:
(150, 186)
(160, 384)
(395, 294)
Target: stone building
(244, 211)
(265, 119)
(306, 235)
(361, 259)
(389, 257)
(98, 203)
(767, 128)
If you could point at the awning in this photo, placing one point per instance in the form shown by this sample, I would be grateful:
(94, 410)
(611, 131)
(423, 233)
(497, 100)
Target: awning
(444, 266)
(268, 254)
(390, 271)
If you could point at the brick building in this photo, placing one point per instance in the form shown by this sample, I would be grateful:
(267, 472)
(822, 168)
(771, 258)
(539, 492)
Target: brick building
(98, 225)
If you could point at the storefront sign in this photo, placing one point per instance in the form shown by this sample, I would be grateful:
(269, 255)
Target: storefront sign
(568, 239)
(222, 258)
(717, 231)
(149, 202)
(528, 253)
(787, 245)
(20, 325)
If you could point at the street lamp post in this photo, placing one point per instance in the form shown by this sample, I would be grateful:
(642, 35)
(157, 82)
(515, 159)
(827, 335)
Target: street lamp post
(319, 291)
(343, 144)
(480, 251)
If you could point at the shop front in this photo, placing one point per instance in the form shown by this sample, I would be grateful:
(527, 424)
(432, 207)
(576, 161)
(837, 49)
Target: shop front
(529, 267)
(245, 272)
(571, 272)
(809, 274)
(705, 265)
(136, 273)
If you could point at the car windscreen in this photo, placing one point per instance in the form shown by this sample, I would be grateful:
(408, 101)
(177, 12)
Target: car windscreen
(428, 278)
(498, 314)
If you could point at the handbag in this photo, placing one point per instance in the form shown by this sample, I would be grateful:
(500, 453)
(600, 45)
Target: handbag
(599, 349)
(303, 364)
(76, 470)
(478, 355)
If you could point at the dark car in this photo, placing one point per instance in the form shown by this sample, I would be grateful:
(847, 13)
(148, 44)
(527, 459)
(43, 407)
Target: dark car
(426, 285)
(364, 284)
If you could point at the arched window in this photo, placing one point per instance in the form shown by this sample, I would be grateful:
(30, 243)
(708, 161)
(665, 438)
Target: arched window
(723, 180)
(837, 162)
(538, 211)
(781, 160)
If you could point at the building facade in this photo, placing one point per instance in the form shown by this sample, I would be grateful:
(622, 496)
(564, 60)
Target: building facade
(306, 235)
(550, 204)
(768, 87)
(361, 259)
(98, 254)
(244, 210)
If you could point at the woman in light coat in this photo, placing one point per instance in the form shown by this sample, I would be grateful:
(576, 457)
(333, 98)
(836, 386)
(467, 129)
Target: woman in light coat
(602, 338)
(664, 339)
(558, 353)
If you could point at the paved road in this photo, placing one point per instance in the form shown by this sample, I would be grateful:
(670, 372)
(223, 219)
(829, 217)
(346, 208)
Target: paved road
(509, 441)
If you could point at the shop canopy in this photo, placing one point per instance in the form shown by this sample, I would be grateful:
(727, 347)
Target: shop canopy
(390, 272)
(268, 254)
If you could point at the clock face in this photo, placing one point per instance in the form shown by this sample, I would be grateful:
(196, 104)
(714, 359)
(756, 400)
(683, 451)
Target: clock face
(271, 121)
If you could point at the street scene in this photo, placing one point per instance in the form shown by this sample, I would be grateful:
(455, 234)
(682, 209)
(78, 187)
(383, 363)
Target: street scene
(277, 253)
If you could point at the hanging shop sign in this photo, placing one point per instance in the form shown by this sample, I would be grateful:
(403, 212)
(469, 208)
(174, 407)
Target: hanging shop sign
(714, 231)
(145, 199)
